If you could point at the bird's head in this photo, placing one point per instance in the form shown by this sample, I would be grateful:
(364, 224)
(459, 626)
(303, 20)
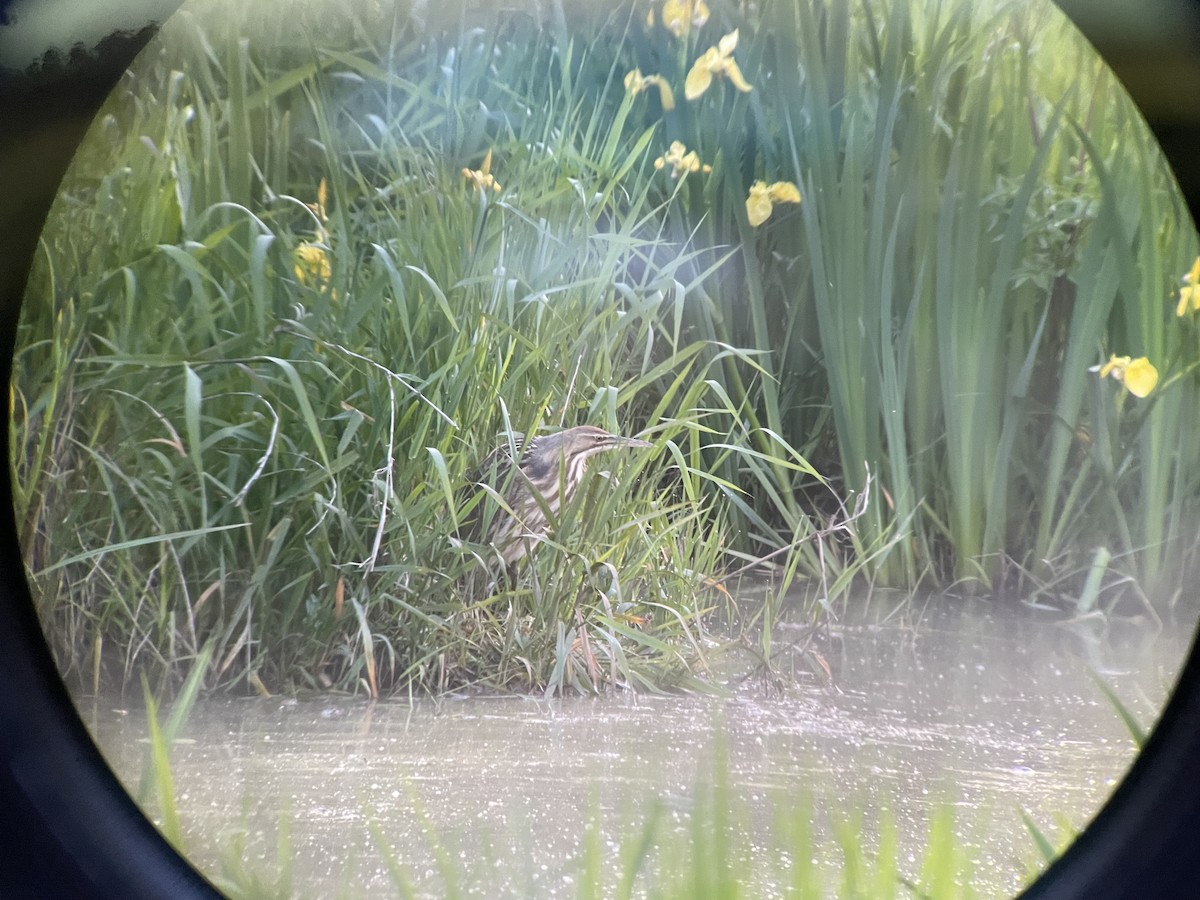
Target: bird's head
(573, 447)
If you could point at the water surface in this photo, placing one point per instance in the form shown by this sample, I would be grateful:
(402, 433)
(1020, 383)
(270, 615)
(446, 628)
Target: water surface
(975, 705)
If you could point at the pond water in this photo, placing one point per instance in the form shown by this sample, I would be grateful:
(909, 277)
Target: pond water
(978, 706)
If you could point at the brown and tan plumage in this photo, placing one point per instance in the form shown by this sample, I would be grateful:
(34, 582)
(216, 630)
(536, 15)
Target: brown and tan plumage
(549, 470)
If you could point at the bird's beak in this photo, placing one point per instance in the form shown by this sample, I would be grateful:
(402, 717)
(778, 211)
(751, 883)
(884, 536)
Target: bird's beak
(633, 442)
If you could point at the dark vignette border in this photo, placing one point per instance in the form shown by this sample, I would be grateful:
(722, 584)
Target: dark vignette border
(68, 829)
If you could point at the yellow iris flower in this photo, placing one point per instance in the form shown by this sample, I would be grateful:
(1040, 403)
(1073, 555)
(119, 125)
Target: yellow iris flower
(636, 82)
(311, 258)
(1189, 294)
(1138, 375)
(483, 175)
(312, 265)
(681, 160)
(763, 197)
(680, 16)
(716, 60)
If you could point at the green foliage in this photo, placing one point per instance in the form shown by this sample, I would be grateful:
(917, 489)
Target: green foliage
(970, 256)
(157, 778)
(267, 456)
(1044, 845)
(1137, 732)
(246, 405)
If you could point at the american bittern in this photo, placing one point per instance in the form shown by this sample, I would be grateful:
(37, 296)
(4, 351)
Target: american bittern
(547, 473)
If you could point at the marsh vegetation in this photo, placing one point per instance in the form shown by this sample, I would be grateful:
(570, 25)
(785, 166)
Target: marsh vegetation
(308, 270)
(902, 294)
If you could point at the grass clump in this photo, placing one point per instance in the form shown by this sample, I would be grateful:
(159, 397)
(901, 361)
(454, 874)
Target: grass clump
(277, 383)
